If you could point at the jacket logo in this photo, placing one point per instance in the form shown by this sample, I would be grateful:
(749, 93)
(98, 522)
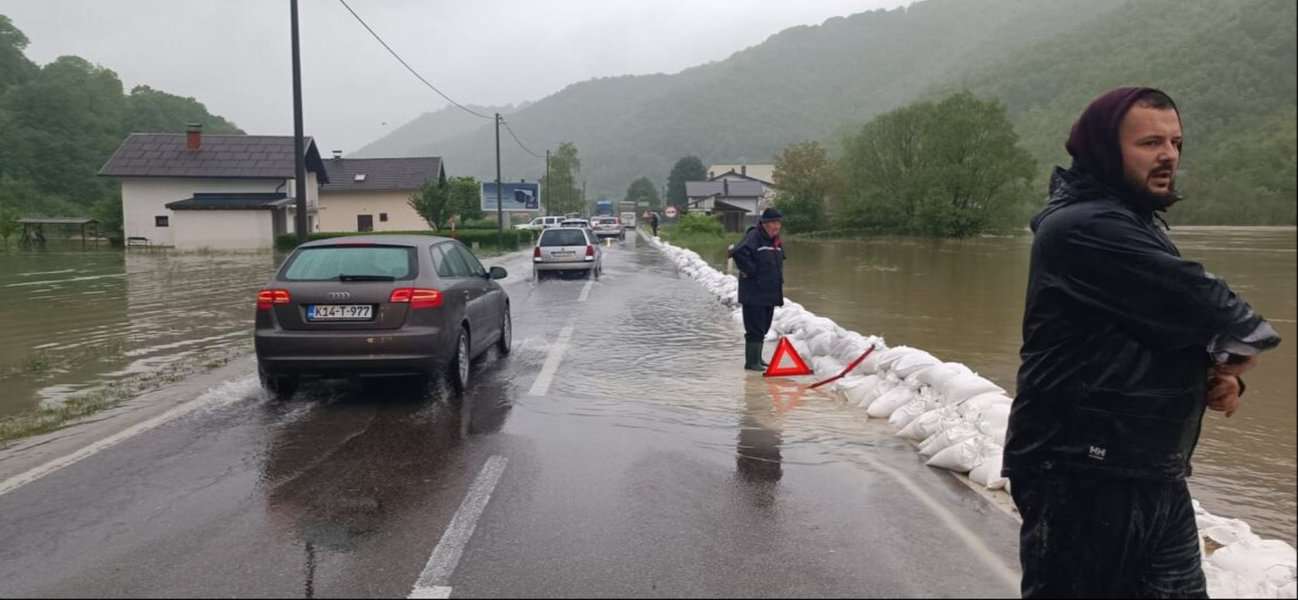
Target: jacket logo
(1098, 453)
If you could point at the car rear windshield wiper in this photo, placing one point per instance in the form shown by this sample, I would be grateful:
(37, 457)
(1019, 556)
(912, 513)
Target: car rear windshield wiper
(345, 277)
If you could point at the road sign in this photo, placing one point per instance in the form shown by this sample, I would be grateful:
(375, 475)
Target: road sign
(518, 197)
(785, 351)
(670, 212)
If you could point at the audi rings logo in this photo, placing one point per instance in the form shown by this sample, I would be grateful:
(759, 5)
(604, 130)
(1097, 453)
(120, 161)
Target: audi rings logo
(339, 295)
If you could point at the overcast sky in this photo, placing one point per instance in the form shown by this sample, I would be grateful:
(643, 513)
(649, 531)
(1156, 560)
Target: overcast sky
(233, 55)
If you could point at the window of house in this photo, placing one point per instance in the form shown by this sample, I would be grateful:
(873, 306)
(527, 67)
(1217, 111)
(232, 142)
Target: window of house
(161, 221)
(383, 217)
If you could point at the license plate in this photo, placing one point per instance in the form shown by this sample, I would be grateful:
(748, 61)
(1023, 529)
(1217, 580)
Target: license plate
(563, 253)
(339, 312)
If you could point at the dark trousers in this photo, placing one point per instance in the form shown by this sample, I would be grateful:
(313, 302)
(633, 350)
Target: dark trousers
(757, 321)
(1107, 538)
(654, 227)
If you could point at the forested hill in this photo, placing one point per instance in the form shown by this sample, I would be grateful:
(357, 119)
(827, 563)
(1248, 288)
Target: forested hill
(61, 121)
(423, 136)
(1231, 65)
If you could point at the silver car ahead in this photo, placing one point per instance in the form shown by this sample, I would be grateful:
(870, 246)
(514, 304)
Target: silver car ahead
(570, 249)
(378, 305)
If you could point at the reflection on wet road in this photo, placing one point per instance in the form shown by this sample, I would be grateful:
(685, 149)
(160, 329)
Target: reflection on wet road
(650, 464)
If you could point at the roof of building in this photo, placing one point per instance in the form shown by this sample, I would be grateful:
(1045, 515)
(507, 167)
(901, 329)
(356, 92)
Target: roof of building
(381, 174)
(57, 220)
(224, 156)
(733, 175)
(232, 201)
(726, 189)
(760, 172)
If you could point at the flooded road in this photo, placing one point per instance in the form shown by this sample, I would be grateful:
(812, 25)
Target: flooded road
(76, 321)
(962, 300)
(619, 450)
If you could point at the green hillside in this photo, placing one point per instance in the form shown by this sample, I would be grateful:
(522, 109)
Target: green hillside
(1231, 66)
(424, 135)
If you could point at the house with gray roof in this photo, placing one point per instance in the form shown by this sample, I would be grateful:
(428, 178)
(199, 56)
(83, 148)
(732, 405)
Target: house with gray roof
(372, 194)
(735, 202)
(230, 192)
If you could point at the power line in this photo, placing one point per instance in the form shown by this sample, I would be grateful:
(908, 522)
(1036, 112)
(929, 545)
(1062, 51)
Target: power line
(518, 141)
(411, 69)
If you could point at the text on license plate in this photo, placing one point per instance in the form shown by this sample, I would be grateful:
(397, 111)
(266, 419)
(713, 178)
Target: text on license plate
(339, 312)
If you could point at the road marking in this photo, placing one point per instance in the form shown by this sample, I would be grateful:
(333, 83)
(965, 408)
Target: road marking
(551, 366)
(227, 393)
(970, 539)
(432, 582)
(585, 291)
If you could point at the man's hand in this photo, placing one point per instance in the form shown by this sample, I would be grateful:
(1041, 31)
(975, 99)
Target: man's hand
(1223, 394)
(1237, 368)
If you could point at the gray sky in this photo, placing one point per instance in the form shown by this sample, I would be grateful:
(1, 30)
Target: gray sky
(233, 55)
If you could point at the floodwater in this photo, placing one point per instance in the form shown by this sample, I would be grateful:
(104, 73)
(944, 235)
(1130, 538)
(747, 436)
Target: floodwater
(962, 300)
(76, 321)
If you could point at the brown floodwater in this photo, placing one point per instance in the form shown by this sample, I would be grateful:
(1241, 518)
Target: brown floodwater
(962, 300)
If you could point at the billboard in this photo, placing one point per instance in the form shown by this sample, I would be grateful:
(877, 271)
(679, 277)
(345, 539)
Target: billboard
(518, 196)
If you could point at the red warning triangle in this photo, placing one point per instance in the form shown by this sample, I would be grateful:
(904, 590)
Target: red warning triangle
(782, 351)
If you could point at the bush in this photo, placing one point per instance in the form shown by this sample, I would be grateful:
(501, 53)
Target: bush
(512, 238)
(699, 224)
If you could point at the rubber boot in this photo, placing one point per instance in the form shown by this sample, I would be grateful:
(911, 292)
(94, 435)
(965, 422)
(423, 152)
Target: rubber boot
(753, 356)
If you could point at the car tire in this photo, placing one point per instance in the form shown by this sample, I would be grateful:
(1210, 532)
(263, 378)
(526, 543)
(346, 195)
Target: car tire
(506, 341)
(457, 371)
(280, 387)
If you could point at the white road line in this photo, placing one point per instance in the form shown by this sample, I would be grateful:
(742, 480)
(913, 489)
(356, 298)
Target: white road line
(585, 291)
(222, 395)
(970, 539)
(551, 366)
(433, 581)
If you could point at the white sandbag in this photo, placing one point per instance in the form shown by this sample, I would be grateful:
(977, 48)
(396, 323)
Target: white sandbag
(885, 385)
(937, 375)
(894, 354)
(988, 472)
(947, 437)
(960, 457)
(963, 387)
(1261, 563)
(972, 409)
(923, 426)
(825, 366)
(902, 417)
(856, 390)
(820, 344)
(890, 401)
(913, 362)
(870, 365)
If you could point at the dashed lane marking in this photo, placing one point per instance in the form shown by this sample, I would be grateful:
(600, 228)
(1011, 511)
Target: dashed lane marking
(551, 365)
(434, 581)
(585, 291)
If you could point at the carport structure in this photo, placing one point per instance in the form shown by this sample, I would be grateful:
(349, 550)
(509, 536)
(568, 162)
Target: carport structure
(34, 228)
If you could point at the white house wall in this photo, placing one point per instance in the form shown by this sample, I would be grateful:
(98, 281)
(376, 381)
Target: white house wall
(144, 198)
(223, 230)
(338, 211)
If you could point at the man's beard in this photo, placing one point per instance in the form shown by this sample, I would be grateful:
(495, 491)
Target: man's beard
(1152, 201)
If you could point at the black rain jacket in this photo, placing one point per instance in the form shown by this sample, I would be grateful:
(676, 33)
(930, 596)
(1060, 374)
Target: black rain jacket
(1116, 337)
(760, 261)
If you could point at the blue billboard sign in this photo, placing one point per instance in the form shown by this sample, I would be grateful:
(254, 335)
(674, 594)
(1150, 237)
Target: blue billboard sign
(518, 196)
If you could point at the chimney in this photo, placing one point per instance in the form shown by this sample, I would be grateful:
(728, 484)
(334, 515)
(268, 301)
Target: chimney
(194, 137)
(743, 169)
(338, 153)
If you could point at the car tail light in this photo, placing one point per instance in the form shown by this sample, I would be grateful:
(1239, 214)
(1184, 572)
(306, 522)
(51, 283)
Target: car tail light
(266, 298)
(536, 252)
(417, 298)
(590, 251)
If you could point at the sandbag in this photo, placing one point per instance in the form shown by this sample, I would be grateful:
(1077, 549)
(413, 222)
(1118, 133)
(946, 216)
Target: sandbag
(890, 401)
(892, 355)
(913, 362)
(922, 426)
(937, 375)
(820, 345)
(855, 390)
(972, 409)
(963, 387)
(907, 413)
(960, 457)
(947, 437)
(988, 472)
(825, 366)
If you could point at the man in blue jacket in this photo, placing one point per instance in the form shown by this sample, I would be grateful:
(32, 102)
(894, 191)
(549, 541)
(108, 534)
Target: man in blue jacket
(760, 260)
(1125, 343)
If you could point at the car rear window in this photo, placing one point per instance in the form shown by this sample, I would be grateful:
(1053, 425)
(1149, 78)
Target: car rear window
(563, 237)
(325, 263)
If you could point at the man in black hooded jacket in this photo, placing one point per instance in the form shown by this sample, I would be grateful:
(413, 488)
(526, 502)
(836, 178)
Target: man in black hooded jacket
(760, 261)
(1124, 345)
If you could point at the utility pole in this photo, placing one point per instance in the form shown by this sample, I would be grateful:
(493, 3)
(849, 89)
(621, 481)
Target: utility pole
(585, 207)
(500, 205)
(547, 182)
(299, 144)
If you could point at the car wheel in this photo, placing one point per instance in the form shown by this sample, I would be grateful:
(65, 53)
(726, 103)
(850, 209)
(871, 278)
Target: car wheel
(280, 387)
(506, 334)
(457, 373)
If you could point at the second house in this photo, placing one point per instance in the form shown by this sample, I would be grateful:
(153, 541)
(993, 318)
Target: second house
(373, 194)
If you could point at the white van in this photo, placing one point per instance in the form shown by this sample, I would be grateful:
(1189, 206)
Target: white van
(628, 220)
(540, 223)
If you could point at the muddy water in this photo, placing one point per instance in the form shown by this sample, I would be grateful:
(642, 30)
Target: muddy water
(76, 321)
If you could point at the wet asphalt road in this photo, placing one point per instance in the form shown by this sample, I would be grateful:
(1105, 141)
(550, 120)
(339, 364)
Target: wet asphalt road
(649, 464)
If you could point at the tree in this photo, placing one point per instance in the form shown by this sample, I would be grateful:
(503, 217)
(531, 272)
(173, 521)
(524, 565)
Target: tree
(465, 198)
(686, 169)
(14, 66)
(806, 177)
(8, 224)
(951, 168)
(433, 202)
(150, 110)
(564, 192)
(643, 190)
